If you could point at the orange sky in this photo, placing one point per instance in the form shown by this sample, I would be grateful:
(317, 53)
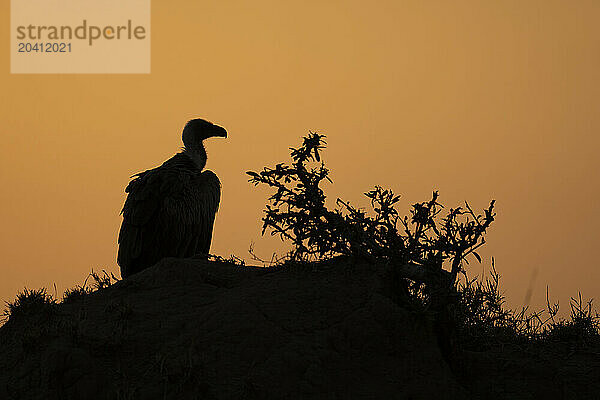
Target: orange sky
(478, 100)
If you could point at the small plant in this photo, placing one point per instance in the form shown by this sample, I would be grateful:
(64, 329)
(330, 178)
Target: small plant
(29, 302)
(100, 281)
(480, 317)
(583, 324)
(234, 260)
(482, 320)
(75, 294)
(418, 245)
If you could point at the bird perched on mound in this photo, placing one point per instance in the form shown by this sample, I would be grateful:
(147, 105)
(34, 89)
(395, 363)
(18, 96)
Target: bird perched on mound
(170, 210)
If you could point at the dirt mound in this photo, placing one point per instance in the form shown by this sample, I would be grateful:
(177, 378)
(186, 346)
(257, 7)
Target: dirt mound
(196, 329)
(191, 329)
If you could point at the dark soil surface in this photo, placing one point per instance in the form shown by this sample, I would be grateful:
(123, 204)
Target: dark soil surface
(191, 329)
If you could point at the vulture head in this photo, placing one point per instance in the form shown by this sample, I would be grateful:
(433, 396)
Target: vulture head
(194, 132)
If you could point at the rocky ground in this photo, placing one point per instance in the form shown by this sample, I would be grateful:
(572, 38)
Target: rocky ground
(192, 329)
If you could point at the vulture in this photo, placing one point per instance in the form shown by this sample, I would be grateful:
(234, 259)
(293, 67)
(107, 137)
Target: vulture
(170, 210)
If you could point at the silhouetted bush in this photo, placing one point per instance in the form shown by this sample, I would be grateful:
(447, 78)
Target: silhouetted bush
(98, 281)
(34, 301)
(418, 246)
(482, 320)
(29, 302)
(75, 294)
(583, 324)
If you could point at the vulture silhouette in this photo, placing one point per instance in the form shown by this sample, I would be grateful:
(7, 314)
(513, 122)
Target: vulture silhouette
(170, 210)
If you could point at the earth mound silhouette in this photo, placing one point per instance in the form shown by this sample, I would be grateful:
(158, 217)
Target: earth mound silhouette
(196, 329)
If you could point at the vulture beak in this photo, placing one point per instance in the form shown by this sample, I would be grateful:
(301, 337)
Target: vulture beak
(219, 132)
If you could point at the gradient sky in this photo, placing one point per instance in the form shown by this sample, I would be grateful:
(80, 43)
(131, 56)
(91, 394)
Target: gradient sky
(476, 99)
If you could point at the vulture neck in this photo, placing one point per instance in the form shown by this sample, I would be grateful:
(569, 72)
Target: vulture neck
(197, 153)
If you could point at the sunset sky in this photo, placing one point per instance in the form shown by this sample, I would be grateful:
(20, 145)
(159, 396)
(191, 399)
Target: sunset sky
(480, 100)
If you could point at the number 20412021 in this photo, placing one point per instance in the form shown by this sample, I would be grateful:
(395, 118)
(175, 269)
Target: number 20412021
(44, 47)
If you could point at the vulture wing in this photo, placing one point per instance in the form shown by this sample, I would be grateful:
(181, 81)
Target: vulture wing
(169, 212)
